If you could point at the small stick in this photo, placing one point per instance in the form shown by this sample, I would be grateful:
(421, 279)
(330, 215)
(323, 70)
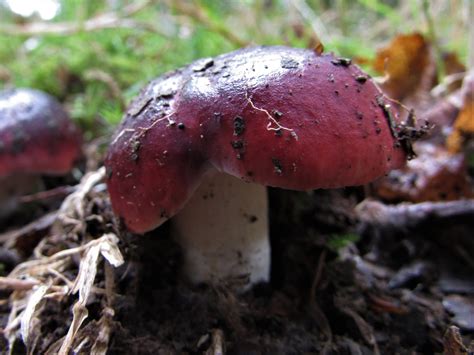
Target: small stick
(59, 191)
(10, 283)
(410, 215)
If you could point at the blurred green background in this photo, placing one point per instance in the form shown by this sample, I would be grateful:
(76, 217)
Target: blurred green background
(96, 55)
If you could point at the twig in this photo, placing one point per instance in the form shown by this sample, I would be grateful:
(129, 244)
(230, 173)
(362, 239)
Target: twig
(195, 12)
(43, 223)
(109, 285)
(103, 21)
(448, 80)
(433, 38)
(59, 191)
(316, 311)
(470, 16)
(408, 215)
(107, 79)
(11, 283)
(319, 30)
(66, 28)
(318, 274)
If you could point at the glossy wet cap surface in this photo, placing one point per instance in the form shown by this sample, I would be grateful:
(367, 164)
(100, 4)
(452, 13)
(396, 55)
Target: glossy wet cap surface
(36, 134)
(276, 116)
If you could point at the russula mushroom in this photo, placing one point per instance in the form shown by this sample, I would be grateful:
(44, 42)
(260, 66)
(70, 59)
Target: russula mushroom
(36, 137)
(202, 142)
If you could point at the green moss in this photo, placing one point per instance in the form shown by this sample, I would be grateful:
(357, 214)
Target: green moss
(165, 38)
(339, 241)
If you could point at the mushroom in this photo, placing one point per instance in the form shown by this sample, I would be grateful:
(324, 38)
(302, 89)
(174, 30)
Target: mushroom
(201, 144)
(36, 137)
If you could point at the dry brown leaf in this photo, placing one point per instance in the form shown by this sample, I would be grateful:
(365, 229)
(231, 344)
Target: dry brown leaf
(79, 314)
(29, 316)
(87, 271)
(71, 211)
(435, 175)
(452, 342)
(107, 246)
(217, 344)
(463, 129)
(363, 61)
(111, 252)
(43, 277)
(10, 283)
(408, 65)
(101, 343)
(24, 305)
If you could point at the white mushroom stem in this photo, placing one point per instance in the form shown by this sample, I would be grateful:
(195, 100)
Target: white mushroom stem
(223, 231)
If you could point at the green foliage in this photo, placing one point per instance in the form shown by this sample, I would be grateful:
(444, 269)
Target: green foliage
(470, 160)
(339, 241)
(164, 35)
(388, 11)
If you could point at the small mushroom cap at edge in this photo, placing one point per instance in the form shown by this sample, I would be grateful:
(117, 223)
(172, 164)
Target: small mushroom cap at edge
(36, 134)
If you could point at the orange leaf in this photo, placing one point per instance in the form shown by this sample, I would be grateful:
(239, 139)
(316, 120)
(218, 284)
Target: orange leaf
(435, 175)
(407, 62)
(463, 128)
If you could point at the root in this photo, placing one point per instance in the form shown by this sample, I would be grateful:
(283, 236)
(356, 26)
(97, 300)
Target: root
(143, 130)
(273, 125)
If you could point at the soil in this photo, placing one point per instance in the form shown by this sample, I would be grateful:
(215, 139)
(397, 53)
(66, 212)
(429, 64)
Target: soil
(389, 291)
